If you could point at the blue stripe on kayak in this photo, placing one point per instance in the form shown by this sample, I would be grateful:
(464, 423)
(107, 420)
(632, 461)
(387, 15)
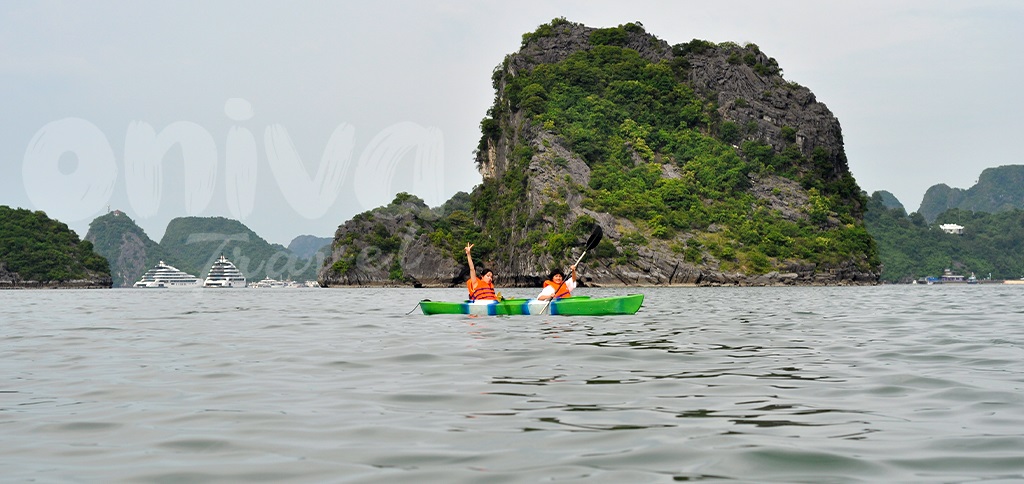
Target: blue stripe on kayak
(553, 308)
(480, 308)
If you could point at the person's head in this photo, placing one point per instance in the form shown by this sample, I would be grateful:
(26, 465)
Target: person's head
(487, 275)
(557, 276)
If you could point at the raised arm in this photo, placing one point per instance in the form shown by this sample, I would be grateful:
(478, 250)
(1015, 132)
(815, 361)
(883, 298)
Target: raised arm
(574, 278)
(469, 257)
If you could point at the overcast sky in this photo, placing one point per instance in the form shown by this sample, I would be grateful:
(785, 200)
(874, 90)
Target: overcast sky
(373, 98)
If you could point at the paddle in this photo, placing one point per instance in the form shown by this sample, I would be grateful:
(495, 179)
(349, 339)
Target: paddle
(595, 238)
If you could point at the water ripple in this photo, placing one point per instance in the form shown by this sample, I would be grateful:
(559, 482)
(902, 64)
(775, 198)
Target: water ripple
(880, 384)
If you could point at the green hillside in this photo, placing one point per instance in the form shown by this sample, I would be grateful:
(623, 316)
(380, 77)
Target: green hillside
(890, 200)
(39, 248)
(196, 242)
(997, 189)
(911, 247)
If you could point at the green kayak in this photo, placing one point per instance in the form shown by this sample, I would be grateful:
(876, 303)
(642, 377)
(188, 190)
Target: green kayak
(569, 306)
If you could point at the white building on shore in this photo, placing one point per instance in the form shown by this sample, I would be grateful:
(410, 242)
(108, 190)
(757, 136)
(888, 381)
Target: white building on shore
(952, 229)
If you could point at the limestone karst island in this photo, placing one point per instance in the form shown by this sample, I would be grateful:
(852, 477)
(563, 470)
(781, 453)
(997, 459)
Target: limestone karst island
(702, 164)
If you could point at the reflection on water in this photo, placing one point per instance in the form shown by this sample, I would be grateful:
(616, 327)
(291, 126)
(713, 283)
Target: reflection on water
(878, 384)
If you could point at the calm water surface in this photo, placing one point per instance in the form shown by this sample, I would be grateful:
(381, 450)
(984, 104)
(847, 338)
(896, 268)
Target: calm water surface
(864, 384)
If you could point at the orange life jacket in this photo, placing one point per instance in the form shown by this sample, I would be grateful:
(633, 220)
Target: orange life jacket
(481, 291)
(560, 291)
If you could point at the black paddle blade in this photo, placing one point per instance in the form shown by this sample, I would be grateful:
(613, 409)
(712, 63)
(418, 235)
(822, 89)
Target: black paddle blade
(595, 238)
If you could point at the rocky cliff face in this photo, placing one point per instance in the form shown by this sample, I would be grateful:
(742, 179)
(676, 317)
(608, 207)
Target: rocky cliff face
(7, 278)
(746, 84)
(131, 262)
(390, 246)
(534, 162)
(125, 245)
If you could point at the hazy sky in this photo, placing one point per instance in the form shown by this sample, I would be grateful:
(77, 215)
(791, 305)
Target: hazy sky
(294, 116)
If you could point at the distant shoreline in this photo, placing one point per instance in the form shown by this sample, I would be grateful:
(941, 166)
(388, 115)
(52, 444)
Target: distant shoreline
(12, 286)
(42, 286)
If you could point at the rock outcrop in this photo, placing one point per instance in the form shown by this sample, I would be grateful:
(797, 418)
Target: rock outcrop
(542, 193)
(390, 246)
(39, 252)
(125, 245)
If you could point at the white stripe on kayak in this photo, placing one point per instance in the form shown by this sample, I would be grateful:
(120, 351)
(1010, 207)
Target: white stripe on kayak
(481, 308)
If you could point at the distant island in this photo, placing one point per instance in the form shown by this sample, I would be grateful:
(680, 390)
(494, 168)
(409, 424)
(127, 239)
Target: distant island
(192, 244)
(989, 242)
(39, 252)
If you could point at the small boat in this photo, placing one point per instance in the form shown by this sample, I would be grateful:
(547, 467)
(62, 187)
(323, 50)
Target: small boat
(569, 306)
(949, 276)
(166, 276)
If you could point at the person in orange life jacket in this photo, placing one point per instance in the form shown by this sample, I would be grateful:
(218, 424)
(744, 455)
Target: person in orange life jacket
(480, 288)
(557, 286)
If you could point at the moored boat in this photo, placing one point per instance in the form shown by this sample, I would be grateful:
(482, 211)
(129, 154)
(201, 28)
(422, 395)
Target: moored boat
(166, 276)
(268, 282)
(224, 274)
(570, 306)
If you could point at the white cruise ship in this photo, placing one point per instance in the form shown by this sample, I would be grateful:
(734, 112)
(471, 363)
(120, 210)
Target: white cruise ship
(224, 274)
(166, 276)
(268, 282)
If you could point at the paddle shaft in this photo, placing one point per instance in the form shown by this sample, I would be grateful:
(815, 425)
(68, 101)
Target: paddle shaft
(578, 260)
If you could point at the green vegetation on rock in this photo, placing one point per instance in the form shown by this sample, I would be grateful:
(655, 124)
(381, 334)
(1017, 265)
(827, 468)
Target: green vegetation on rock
(632, 119)
(194, 243)
(911, 247)
(997, 189)
(699, 161)
(41, 249)
(125, 245)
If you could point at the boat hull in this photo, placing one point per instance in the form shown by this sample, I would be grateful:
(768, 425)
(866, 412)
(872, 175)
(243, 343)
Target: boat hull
(570, 306)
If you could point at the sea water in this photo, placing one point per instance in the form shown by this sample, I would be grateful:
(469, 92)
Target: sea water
(818, 384)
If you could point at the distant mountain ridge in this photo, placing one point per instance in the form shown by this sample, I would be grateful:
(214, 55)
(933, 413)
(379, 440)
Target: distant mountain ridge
(998, 189)
(889, 200)
(192, 244)
(307, 246)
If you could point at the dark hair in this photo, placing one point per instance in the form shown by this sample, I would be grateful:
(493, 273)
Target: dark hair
(483, 272)
(556, 271)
